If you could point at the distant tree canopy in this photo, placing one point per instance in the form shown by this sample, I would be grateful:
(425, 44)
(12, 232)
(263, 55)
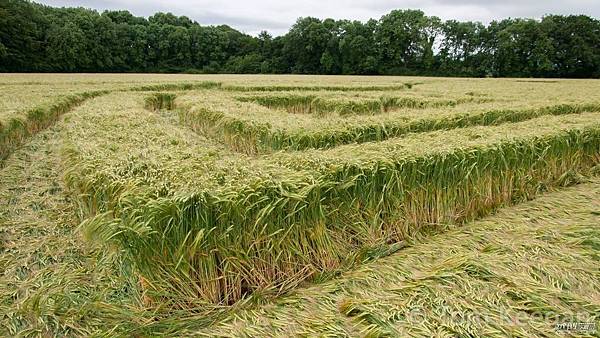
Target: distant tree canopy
(38, 38)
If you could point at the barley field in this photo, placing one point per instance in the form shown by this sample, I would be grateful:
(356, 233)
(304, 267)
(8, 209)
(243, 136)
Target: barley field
(232, 205)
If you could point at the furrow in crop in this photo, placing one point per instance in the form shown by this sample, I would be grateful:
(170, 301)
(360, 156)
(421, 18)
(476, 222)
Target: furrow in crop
(158, 101)
(283, 88)
(178, 86)
(255, 137)
(318, 106)
(15, 130)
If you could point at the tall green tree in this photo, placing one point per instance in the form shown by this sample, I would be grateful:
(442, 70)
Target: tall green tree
(358, 48)
(22, 29)
(575, 43)
(406, 39)
(67, 50)
(306, 43)
(34, 37)
(523, 49)
(461, 48)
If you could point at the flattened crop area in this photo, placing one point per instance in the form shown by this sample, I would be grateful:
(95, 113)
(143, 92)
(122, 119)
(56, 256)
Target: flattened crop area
(218, 193)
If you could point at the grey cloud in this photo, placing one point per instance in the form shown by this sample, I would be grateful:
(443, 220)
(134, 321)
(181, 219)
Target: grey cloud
(215, 18)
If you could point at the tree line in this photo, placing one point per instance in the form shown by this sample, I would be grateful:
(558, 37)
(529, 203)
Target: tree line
(38, 38)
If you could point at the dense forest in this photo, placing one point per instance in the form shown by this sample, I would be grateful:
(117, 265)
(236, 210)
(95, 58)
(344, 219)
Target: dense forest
(38, 38)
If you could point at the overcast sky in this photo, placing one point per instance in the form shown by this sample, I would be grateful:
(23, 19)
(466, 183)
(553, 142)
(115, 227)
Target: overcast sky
(276, 16)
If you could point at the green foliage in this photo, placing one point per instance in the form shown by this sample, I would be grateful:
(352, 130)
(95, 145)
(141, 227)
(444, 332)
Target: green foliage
(247, 64)
(3, 51)
(406, 39)
(40, 38)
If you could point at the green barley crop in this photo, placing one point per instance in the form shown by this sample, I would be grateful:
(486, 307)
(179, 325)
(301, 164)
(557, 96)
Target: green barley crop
(158, 101)
(311, 104)
(218, 230)
(509, 274)
(283, 88)
(15, 130)
(252, 136)
(203, 197)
